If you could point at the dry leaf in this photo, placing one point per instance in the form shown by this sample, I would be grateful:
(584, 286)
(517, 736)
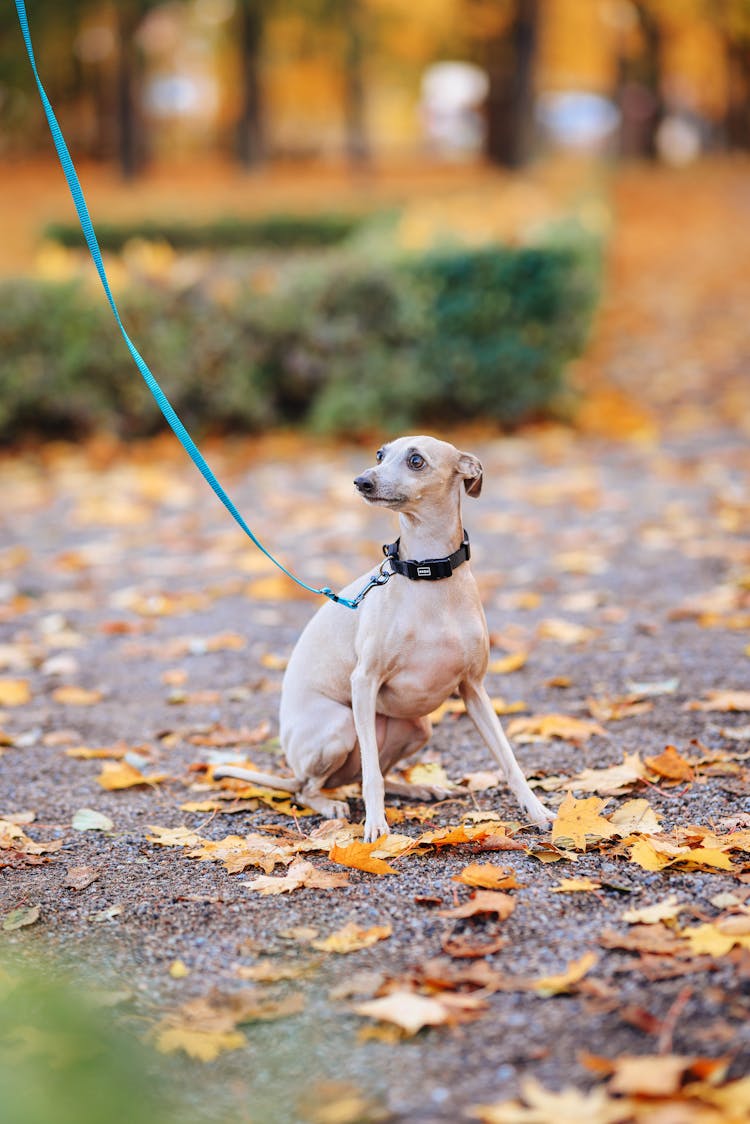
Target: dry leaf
(578, 822)
(352, 938)
(546, 727)
(178, 969)
(203, 1045)
(407, 1010)
(360, 856)
(719, 937)
(507, 664)
(541, 1106)
(76, 696)
(575, 886)
(300, 873)
(671, 765)
(636, 817)
(121, 774)
(79, 877)
(20, 918)
(483, 901)
(87, 819)
(610, 781)
(487, 876)
(565, 981)
(666, 910)
(725, 701)
(565, 632)
(14, 692)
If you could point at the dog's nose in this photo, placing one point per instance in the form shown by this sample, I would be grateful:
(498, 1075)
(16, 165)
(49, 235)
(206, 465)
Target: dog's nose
(364, 483)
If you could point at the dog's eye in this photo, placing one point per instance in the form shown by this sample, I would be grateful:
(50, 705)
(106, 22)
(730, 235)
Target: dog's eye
(379, 455)
(416, 461)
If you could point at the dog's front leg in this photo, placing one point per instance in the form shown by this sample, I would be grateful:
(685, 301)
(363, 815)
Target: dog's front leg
(364, 697)
(482, 713)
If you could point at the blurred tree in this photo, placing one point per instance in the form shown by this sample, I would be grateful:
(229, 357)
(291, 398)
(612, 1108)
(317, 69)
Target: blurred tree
(639, 92)
(250, 135)
(735, 26)
(505, 37)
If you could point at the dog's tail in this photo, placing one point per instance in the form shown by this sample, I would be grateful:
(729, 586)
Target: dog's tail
(285, 784)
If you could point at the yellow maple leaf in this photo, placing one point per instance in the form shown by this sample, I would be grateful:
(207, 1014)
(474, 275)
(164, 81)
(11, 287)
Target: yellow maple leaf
(505, 665)
(173, 836)
(569, 1106)
(728, 701)
(564, 981)
(636, 817)
(575, 886)
(610, 781)
(671, 765)
(121, 774)
(717, 938)
(579, 820)
(352, 938)
(203, 1045)
(546, 727)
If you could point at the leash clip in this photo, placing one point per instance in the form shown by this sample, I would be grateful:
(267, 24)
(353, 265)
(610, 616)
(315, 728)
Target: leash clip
(381, 578)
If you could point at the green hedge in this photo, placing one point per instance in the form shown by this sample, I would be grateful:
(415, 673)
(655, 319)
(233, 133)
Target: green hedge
(346, 346)
(228, 233)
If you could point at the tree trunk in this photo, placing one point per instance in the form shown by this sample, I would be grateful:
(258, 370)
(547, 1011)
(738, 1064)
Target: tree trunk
(250, 138)
(509, 62)
(639, 93)
(737, 121)
(130, 139)
(357, 144)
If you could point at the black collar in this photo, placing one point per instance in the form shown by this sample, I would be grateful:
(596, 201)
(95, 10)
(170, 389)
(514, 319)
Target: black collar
(431, 569)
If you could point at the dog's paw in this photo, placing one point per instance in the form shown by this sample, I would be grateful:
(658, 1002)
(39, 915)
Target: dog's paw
(538, 814)
(375, 828)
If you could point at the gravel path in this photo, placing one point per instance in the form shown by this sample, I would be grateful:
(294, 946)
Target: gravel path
(121, 576)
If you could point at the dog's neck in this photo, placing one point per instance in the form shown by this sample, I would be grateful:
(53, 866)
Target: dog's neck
(430, 534)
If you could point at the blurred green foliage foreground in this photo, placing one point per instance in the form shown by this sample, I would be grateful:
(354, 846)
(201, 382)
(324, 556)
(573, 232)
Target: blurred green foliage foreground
(62, 1061)
(352, 339)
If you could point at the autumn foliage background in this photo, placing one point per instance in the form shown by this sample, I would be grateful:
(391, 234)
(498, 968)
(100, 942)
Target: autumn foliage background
(316, 236)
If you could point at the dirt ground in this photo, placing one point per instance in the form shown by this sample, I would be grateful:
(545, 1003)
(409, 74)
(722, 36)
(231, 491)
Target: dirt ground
(615, 565)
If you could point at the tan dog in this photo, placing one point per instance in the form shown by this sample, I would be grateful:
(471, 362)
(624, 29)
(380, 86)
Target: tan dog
(360, 685)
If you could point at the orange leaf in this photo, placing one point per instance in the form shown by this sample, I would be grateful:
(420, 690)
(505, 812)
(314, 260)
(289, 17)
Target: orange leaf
(76, 696)
(487, 876)
(359, 856)
(579, 820)
(122, 774)
(14, 692)
(671, 765)
(483, 901)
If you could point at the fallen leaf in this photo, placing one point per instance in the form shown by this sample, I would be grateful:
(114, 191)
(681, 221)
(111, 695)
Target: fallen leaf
(76, 696)
(636, 817)
(726, 701)
(174, 836)
(564, 632)
(487, 876)
(507, 664)
(546, 727)
(14, 692)
(407, 1010)
(483, 901)
(565, 981)
(575, 886)
(671, 765)
(79, 877)
(20, 918)
(578, 822)
(569, 1106)
(666, 910)
(121, 774)
(87, 819)
(202, 1045)
(651, 1075)
(610, 781)
(359, 856)
(300, 873)
(616, 709)
(178, 969)
(717, 938)
(428, 772)
(352, 938)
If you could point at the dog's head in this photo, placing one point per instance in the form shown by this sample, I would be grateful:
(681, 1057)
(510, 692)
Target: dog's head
(412, 470)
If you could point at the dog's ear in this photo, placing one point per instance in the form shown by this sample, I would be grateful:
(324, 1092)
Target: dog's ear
(470, 469)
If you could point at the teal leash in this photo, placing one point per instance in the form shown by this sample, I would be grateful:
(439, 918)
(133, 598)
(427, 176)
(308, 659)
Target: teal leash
(162, 401)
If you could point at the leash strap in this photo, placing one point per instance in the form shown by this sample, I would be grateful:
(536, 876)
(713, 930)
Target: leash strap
(431, 569)
(161, 399)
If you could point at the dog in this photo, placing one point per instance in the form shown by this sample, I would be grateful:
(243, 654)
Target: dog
(360, 686)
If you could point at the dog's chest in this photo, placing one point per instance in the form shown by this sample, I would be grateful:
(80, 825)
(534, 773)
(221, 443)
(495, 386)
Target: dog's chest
(428, 660)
